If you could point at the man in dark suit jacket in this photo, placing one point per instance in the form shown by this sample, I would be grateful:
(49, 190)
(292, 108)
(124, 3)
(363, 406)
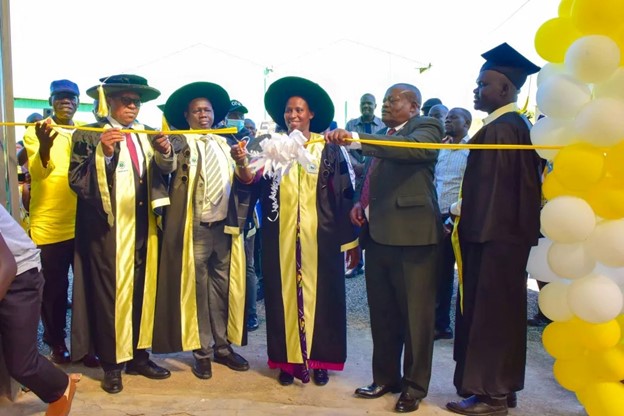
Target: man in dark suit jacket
(401, 229)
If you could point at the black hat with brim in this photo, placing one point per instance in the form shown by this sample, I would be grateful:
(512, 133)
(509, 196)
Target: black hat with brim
(178, 102)
(318, 100)
(125, 82)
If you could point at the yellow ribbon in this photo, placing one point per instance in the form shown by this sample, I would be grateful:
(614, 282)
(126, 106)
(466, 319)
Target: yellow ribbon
(416, 145)
(228, 130)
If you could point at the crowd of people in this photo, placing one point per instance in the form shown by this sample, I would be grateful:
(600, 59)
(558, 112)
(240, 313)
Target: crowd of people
(162, 232)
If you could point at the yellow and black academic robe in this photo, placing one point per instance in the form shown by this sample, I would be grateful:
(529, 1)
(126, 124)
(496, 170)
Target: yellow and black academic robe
(499, 223)
(176, 327)
(305, 230)
(116, 248)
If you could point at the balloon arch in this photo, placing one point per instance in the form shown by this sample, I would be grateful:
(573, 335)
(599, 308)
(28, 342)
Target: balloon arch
(581, 92)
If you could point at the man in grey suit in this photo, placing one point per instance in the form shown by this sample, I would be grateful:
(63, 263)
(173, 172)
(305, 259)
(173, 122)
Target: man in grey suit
(401, 229)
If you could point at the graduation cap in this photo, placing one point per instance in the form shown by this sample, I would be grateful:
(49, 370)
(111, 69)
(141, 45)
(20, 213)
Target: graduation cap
(509, 62)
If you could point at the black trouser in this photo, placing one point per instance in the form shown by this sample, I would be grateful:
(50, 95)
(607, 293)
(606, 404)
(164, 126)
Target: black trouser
(401, 284)
(251, 279)
(446, 276)
(19, 319)
(55, 261)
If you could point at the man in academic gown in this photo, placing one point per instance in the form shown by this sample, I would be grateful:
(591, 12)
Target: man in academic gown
(201, 289)
(116, 237)
(499, 223)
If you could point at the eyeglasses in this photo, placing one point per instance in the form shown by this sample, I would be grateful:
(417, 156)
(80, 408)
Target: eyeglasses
(126, 101)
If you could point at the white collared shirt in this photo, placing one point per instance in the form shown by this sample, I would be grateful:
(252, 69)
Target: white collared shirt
(137, 144)
(210, 212)
(499, 112)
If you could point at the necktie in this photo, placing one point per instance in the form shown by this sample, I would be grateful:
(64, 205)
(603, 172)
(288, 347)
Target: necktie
(133, 152)
(365, 194)
(212, 176)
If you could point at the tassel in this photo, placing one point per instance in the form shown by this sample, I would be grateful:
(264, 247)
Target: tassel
(102, 110)
(525, 107)
(165, 125)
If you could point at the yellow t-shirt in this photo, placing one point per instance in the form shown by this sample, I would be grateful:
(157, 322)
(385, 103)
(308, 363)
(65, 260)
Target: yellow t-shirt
(52, 202)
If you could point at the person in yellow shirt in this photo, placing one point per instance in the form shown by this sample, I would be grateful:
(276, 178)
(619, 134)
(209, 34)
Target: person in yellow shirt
(53, 209)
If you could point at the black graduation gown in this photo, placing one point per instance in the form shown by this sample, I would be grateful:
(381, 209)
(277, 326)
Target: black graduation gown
(499, 224)
(305, 228)
(111, 311)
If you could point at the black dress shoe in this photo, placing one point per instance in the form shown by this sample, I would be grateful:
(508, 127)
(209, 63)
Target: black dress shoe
(512, 400)
(202, 368)
(112, 382)
(150, 370)
(91, 361)
(443, 334)
(406, 403)
(59, 354)
(320, 377)
(285, 379)
(374, 391)
(480, 406)
(233, 360)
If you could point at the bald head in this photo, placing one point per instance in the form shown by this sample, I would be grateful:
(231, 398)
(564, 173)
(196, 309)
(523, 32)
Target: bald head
(439, 111)
(401, 103)
(457, 123)
(367, 107)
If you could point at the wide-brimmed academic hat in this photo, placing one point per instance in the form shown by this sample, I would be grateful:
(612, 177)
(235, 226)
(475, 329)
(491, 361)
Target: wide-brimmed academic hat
(318, 100)
(64, 86)
(177, 103)
(124, 82)
(509, 62)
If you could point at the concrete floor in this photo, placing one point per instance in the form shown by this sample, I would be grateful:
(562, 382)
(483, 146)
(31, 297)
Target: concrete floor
(256, 392)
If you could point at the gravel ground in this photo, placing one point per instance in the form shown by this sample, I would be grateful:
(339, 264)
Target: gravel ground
(357, 310)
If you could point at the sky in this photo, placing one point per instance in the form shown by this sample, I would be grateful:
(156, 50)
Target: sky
(349, 47)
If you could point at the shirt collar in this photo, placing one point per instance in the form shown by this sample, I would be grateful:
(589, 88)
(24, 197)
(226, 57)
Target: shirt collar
(499, 112)
(114, 123)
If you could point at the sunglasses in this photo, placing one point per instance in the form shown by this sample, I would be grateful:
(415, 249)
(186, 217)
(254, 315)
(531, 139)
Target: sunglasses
(126, 101)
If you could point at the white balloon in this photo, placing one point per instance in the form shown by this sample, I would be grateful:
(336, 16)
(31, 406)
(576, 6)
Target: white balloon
(592, 58)
(537, 266)
(548, 70)
(562, 96)
(614, 273)
(606, 243)
(571, 260)
(553, 301)
(601, 122)
(550, 131)
(567, 219)
(613, 87)
(595, 298)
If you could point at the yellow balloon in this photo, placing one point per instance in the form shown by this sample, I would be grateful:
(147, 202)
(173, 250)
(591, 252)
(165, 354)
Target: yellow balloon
(603, 399)
(609, 364)
(598, 336)
(579, 166)
(552, 188)
(607, 198)
(561, 341)
(620, 321)
(575, 374)
(614, 161)
(597, 17)
(554, 37)
(565, 8)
